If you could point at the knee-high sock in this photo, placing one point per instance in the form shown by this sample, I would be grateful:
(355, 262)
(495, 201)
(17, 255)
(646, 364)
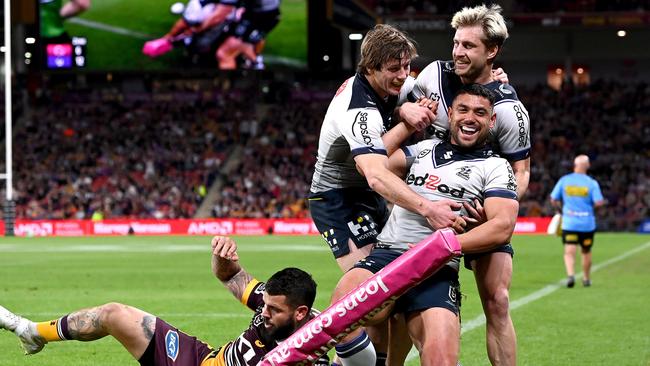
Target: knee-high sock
(358, 352)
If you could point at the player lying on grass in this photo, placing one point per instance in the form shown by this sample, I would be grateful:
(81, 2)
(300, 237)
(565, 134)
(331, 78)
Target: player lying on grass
(281, 306)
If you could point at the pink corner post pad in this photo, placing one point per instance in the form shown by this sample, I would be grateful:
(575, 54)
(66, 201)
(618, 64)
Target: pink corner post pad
(157, 47)
(376, 293)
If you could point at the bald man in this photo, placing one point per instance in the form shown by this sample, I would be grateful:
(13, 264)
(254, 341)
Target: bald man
(577, 194)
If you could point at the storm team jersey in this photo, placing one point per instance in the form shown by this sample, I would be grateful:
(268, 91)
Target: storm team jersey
(251, 347)
(354, 123)
(510, 136)
(439, 170)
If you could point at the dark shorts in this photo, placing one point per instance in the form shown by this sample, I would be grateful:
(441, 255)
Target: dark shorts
(171, 347)
(253, 27)
(583, 238)
(441, 290)
(342, 214)
(468, 258)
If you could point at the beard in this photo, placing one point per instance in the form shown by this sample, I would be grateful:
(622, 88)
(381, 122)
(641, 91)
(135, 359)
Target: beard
(481, 139)
(278, 332)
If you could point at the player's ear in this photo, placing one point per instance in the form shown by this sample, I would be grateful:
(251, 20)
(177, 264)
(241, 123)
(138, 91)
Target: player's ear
(493, 119)
(450, 111)
(492, 52)
(301, 312)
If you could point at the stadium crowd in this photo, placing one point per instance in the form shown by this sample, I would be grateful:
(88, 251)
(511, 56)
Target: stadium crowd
(102, 153)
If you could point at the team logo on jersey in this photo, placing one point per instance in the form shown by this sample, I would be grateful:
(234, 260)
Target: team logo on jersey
(512, 182)
(464, 172)
(448, 155)
(171, 344)
(259, 343)
(504, 90)
(362, 120)
(434, 96)
(424, 153)
(432, 182)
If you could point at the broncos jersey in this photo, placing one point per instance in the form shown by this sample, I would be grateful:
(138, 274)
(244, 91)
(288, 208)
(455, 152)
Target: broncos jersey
(439, 170)
(510, 137)
(251, 347)
(354, 123)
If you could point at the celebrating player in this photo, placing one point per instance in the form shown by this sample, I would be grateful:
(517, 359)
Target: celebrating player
(467, 171)
(281, 306)
(480, 34)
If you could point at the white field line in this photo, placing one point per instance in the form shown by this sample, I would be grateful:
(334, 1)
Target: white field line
(110, 28)
(479, 321)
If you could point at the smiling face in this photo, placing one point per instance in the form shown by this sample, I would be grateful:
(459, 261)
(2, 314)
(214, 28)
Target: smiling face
(280, 318)
(470, 119)
(389, 79)
(472, 58)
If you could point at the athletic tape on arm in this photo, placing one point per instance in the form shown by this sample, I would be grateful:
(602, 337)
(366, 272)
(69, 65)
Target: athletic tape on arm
(379, 291)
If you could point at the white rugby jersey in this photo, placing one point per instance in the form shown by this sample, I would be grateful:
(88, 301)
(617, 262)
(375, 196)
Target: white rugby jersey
(354, 123)
(510, 137)
(439, 170)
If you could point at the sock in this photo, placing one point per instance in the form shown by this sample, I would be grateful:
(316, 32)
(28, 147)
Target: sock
(358, 352)
(381, 359)
(54, 330)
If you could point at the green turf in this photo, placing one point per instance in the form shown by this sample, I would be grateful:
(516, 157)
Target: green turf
(44, 278)
(108, 50)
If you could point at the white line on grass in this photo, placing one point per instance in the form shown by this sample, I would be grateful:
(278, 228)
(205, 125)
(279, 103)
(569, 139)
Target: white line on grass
(547, 290)
(110, 28)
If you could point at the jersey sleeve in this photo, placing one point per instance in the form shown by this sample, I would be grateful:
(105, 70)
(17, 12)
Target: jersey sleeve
(253, 294)
(421, 87)
(362, 128)
(597, 194)
(513, 130)
(500, 180)
(409, 83)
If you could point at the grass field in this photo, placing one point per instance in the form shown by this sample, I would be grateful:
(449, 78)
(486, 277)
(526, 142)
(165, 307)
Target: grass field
(117, 29)
(44, 278)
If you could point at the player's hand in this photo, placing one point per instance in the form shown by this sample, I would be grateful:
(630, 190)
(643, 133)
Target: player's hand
(440, 215)
(500, 76)
(420, 114)
(225, 248)
(476, 214)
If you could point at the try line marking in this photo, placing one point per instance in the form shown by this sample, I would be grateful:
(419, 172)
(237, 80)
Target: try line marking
(479, 321)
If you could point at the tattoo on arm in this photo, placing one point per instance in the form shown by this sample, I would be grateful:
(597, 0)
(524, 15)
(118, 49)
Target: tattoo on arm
(148, 326)
(237, 283)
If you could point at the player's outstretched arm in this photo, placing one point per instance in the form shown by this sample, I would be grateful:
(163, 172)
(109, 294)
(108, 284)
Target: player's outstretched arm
(226, 267)
(73, 8)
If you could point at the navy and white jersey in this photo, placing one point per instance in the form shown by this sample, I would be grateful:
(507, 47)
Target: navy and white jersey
(439, 170)
(510, 137)
(354, 123)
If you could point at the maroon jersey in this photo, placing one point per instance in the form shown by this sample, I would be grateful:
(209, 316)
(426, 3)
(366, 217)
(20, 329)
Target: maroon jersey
(251, 347)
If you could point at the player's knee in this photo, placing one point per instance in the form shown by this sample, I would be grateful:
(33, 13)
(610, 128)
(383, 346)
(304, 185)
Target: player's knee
(432, 354)
(111, 310)
(498, 303)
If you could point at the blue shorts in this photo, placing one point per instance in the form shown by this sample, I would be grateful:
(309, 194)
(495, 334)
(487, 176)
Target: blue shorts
(583, 238)
(507, 248)
(351, 213)
(441, 290)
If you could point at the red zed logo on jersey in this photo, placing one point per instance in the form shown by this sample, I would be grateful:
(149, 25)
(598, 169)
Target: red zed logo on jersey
(432, 182)
(341, 88)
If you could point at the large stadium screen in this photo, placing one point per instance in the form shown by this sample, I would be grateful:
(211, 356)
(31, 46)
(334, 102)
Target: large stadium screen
(114, 35)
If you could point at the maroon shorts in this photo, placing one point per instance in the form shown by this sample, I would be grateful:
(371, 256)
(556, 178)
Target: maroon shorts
(171, 347)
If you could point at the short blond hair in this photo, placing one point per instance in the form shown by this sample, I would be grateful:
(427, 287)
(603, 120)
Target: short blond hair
(489, 19)
(382, 44)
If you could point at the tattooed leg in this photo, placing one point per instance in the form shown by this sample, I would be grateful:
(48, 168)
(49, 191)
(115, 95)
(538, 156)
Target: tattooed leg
(132, 327)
